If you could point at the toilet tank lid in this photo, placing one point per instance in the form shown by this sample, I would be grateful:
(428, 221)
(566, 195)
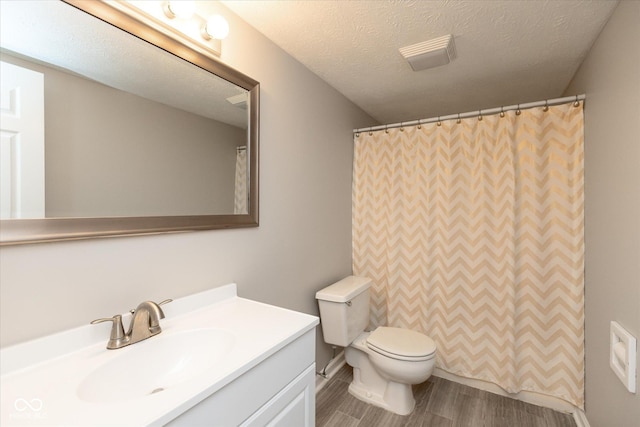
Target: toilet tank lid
(344, 290)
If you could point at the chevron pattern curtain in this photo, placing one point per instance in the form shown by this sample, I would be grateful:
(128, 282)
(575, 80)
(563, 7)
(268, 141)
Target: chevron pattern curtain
(240, 200)
(473, 233)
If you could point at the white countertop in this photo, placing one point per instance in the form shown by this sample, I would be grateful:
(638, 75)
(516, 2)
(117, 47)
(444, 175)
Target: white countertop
(41, 378)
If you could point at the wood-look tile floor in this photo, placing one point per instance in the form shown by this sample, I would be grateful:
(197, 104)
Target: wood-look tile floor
(439, 403)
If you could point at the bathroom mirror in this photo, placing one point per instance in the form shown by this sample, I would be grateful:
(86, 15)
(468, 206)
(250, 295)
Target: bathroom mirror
(105, 73)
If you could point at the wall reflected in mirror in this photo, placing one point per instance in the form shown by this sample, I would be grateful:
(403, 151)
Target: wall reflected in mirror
(113, 126)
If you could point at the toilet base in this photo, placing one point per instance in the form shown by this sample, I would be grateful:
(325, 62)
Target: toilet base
(400, 401)
(370, 387)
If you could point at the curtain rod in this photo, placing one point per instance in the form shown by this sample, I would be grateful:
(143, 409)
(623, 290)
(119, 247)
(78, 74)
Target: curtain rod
(556, 101)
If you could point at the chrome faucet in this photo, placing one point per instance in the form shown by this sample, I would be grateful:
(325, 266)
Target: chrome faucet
(145, 323)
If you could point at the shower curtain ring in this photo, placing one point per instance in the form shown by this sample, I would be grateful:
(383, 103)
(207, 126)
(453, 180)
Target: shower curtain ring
(518, 112)
(439, 122)
(502, 111)
(401, 127)
(419, 124)
(546, 106)
(357, 134)
(458, 121)
(480, 115)
(577, 103)
(386, 130)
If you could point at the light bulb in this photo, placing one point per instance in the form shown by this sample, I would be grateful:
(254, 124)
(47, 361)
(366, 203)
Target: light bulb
(183, 9)
(217, 27)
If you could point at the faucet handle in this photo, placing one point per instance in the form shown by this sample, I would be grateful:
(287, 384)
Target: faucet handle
(117, 337)
(167, 301)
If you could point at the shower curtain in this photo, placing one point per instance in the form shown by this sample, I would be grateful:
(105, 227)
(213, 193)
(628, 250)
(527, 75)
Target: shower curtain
(472, 231)
(240, 204)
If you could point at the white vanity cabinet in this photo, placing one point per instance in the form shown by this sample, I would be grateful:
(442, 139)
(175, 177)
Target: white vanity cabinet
(220, 361)
(280, 391)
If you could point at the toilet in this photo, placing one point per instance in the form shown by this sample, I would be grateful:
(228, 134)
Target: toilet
(386, 361)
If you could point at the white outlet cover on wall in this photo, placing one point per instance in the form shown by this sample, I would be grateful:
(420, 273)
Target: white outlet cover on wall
(622, 355)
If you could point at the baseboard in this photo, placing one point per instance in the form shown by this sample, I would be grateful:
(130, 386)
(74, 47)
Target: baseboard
(334, 366)
(525, 396)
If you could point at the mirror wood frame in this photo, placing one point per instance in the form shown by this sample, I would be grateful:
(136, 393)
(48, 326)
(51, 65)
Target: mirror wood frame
(21, 231)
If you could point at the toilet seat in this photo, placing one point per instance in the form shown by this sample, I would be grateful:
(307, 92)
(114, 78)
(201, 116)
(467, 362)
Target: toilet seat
(401, 344)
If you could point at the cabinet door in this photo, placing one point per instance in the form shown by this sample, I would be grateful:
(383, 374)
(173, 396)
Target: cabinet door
(293, 406)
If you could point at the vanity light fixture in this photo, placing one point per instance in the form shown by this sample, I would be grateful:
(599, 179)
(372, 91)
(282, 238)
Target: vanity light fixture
(180, 20)
(214, 27)
(182, 9)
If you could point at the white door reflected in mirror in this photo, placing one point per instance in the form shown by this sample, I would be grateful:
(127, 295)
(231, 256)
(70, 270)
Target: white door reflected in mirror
(21, 143)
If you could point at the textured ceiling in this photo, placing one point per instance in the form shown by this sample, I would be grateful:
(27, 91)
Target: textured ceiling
(508, 52)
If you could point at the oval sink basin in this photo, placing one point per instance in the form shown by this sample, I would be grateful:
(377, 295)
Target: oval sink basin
(156, 364)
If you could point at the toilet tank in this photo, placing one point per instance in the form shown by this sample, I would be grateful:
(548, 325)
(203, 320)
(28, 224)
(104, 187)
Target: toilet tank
(344, 310)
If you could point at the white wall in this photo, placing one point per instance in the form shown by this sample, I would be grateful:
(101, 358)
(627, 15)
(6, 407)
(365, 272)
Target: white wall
(303, 242)
(610, 77)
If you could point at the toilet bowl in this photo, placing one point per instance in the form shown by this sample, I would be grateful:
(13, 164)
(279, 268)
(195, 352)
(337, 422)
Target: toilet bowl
(386, 361)
(385, 380)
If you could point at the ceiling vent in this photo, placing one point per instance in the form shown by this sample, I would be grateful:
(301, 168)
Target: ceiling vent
(239, 101)
(431, 53)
